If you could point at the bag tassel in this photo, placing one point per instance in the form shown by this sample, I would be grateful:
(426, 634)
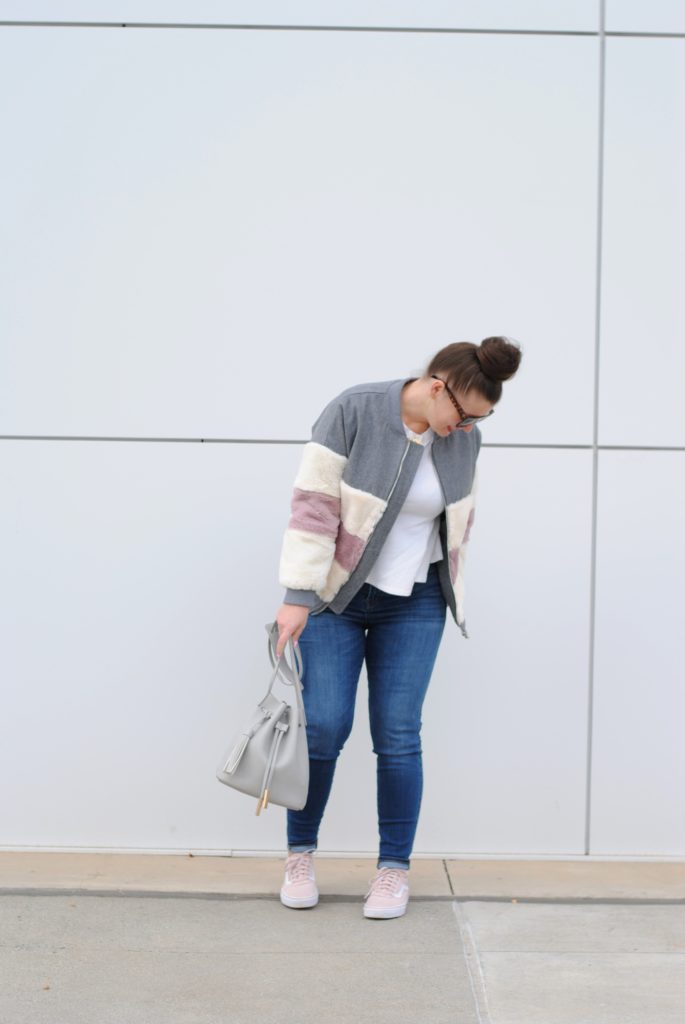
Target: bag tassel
(235, 756)
(280, 729)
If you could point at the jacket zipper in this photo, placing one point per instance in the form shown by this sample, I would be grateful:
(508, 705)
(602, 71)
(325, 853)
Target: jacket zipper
(404, 455)
(399, 471)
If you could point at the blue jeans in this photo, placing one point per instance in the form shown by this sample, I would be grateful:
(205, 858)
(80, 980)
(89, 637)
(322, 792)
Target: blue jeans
(399, 637)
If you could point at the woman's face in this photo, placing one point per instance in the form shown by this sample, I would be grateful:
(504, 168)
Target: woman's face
(451, 406)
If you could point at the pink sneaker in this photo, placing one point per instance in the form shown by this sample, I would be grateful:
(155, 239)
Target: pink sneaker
(299, 888)
(389, 893)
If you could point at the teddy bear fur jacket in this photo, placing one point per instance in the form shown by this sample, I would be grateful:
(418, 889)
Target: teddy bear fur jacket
(353, 478)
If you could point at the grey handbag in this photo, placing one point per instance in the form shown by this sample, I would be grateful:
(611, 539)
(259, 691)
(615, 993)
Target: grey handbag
(269, 758)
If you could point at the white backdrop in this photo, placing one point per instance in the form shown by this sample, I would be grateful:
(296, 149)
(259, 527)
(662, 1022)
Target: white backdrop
(208, 231)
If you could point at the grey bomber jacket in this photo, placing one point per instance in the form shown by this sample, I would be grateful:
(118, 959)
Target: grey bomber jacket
(353, 478)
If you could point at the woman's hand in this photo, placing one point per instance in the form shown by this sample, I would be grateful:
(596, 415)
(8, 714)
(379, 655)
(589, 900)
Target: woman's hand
(291, 619)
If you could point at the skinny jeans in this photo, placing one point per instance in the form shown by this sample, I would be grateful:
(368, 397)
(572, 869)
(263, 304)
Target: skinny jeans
(398, 637)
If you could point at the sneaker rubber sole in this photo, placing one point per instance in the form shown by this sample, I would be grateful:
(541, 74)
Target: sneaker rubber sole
(385, 912)
(299, 902)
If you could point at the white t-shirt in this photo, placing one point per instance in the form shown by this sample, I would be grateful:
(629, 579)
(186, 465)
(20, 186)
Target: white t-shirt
(414, 539)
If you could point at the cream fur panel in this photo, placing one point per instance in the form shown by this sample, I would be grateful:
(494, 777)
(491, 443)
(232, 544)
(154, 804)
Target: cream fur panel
(457, 520)
(336, 577)
(320, 469)
(305, 560)
(359, 510)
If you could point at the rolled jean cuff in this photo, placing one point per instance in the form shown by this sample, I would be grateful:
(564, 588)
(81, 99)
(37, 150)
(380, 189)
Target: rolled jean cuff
(392, 864)
(302, 849)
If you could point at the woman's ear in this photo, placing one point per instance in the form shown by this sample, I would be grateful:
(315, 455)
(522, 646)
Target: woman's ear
(438, 389)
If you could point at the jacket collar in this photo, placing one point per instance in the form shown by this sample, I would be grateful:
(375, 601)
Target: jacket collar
(456, 440)
(393, 406)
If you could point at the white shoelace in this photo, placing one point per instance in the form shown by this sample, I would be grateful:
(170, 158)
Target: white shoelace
(387, 882)
(299, 867)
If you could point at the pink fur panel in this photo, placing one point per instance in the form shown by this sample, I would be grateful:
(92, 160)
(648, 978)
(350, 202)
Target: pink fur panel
(314, 511)
(348, 549)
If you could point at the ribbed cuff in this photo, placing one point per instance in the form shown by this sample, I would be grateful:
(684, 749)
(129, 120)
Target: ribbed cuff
(306, 598)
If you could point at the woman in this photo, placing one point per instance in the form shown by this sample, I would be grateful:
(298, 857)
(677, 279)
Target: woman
(372, 558)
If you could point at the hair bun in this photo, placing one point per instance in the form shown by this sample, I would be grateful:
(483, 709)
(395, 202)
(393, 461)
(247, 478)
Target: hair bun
(499, 358)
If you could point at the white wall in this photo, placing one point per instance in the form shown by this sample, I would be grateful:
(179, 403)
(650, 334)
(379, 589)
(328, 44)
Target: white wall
(209, 232)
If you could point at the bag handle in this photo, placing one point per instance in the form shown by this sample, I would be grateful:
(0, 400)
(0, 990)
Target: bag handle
(296, 655)
(290, 674)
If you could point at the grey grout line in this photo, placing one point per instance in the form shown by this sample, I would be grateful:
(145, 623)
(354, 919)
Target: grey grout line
(474, 964)
(595, 428)
(378, 29)
(246, 27)
(588, 447)
(276, 440)
(641, 448)
(644, 35)
(189, 894)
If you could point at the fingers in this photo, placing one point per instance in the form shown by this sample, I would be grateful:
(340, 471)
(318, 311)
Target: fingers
(291, 621)
(282, 641)
(284, 637)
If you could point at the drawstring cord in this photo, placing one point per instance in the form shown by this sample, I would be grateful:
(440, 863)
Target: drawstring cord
(280, 729)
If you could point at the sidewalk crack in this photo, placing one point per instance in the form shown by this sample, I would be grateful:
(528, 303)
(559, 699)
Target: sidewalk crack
(474, 965)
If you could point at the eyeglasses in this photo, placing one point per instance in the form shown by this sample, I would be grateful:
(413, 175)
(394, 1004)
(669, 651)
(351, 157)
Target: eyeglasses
(465, 420)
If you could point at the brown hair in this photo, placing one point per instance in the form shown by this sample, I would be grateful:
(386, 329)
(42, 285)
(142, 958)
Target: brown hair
(479, 367)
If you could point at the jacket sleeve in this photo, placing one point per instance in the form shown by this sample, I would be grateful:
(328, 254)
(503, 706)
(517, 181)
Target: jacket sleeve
(309, 542)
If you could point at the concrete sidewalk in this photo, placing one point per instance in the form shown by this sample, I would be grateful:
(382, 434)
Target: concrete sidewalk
(205, 940)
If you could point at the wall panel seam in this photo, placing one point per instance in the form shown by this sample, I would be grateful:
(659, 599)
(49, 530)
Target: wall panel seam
(595, 424)
(406, 29)
(522, 445)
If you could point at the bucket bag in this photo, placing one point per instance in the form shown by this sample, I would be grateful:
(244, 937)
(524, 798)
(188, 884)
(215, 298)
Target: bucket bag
(268, 758)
